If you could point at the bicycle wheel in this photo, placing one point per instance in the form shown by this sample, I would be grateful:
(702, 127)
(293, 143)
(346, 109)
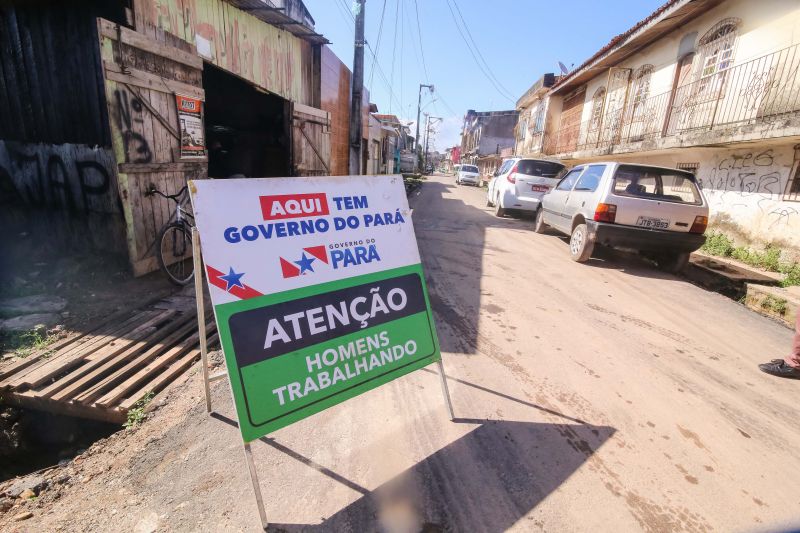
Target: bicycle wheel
(175, 253)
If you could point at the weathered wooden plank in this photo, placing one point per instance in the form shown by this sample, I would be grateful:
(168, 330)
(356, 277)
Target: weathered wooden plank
(79, 380)
(67, 363)
(77, 349)
(112, 380)
(178, 166)
(135, 39)
(53, 349)
(24, 399)
(152, 368)
(174, 370)
(143, 79)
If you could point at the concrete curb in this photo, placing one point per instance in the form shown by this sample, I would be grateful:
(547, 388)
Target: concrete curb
(774, 302)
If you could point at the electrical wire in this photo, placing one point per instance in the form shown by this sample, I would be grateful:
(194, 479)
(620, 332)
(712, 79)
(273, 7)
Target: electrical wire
(377, 47)
(351, 21)
(478, 50)
(475, 58)
(421, 46)
(394, 51)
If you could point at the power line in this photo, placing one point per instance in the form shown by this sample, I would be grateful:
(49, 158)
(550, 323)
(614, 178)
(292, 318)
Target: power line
(474, 57)
(421, 46)
(477, 49)
(394, 49)
(402, 48)
(377, 47)
(381, 74)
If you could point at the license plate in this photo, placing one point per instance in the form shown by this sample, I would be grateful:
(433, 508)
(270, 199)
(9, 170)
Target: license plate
(540, 188)
(653, 223)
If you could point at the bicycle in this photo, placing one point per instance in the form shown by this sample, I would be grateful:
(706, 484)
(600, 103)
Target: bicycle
(175, 241)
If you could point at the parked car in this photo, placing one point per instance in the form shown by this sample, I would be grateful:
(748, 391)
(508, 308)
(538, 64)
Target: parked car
(520, 183)
(468, 174)
(659, 212)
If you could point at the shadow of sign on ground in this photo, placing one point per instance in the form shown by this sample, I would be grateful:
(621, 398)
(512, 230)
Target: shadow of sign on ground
(487, 480)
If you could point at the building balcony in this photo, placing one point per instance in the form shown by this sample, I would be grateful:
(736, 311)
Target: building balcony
(759, 99)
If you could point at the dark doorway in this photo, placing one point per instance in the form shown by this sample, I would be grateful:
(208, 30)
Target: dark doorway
(246, 129)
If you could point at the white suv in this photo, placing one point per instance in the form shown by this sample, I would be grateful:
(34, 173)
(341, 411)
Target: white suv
(468, 174)
(520, 183)
(659, 212)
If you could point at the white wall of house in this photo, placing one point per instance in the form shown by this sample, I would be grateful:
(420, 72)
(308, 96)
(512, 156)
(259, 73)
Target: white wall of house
(745, 188)
(745, 182)
(767, 26)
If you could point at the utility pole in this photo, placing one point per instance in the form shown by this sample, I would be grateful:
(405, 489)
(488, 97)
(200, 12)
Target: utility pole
(357, 91)
(416, 138)
(427, 136)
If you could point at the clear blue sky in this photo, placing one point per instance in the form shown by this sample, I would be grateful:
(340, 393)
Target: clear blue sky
(519, 40)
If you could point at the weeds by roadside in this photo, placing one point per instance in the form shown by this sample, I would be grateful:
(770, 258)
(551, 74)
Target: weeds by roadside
(24, 343)
(721, 245)
(136, 414)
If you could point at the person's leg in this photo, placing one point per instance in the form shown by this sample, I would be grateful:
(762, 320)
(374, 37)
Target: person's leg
(794, 357)
(790, 366)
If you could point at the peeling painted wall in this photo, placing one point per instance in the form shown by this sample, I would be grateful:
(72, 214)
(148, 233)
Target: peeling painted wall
(272, 58)
(745, 188)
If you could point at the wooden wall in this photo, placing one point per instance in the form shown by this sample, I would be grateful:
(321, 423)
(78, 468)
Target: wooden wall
(58, 176)
(270, 57)
(142, 76)
(335, 99)
(335, 80)
(50, 86)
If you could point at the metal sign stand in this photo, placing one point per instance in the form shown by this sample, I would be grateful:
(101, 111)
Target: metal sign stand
(207, 379)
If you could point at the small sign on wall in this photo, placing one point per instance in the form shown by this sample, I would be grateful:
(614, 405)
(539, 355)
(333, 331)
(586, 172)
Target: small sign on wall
(190, 120)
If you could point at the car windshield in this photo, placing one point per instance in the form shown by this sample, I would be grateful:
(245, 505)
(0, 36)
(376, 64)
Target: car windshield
(469, 168)
(663, 184)
(536, 167)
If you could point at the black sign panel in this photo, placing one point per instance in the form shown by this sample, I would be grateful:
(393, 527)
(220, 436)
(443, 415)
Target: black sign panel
(266, 332)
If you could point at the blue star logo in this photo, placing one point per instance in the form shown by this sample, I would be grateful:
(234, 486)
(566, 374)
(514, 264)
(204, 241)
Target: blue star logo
(305, 264)
(233, 280)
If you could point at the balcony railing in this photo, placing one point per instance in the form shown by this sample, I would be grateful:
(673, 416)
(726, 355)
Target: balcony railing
(762, 90)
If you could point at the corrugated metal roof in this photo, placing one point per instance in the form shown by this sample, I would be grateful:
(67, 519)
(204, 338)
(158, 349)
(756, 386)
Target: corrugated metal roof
(266, 11)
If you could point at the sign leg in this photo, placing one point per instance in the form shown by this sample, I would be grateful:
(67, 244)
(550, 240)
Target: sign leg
(445, 390)
(251, 467)
(201, 313)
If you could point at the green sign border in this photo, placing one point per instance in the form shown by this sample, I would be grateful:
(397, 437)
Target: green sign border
(251, 430)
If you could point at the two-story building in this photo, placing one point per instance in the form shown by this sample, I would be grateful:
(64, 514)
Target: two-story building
(711, 86)
(486, 137)
(532, 107)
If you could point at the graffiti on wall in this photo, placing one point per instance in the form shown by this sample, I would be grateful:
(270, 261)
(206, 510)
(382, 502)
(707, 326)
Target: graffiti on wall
(749, 186)
(129, 112)
(71, 178)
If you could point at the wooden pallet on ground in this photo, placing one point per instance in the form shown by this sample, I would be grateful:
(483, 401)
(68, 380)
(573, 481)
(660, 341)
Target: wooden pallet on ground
(102, 373)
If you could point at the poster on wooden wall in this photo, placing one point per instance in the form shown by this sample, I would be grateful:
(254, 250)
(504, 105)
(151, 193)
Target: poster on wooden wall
(190, 119)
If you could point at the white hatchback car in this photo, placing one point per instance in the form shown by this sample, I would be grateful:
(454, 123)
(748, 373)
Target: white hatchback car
(520, 183)
(468, 174)
(659, 212)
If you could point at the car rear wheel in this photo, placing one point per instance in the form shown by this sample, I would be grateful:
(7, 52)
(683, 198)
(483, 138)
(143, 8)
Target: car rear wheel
(674, 263)
(580, 245)
(498, 210)
(538, 225)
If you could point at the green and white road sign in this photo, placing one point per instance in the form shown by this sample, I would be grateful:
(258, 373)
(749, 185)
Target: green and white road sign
(317, 288)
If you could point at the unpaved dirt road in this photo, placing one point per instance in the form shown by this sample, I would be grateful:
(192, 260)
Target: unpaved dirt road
(589, 397)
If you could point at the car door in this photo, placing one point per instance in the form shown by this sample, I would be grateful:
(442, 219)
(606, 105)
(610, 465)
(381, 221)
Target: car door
(582, 197)
(500, 176)
(555, 201)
